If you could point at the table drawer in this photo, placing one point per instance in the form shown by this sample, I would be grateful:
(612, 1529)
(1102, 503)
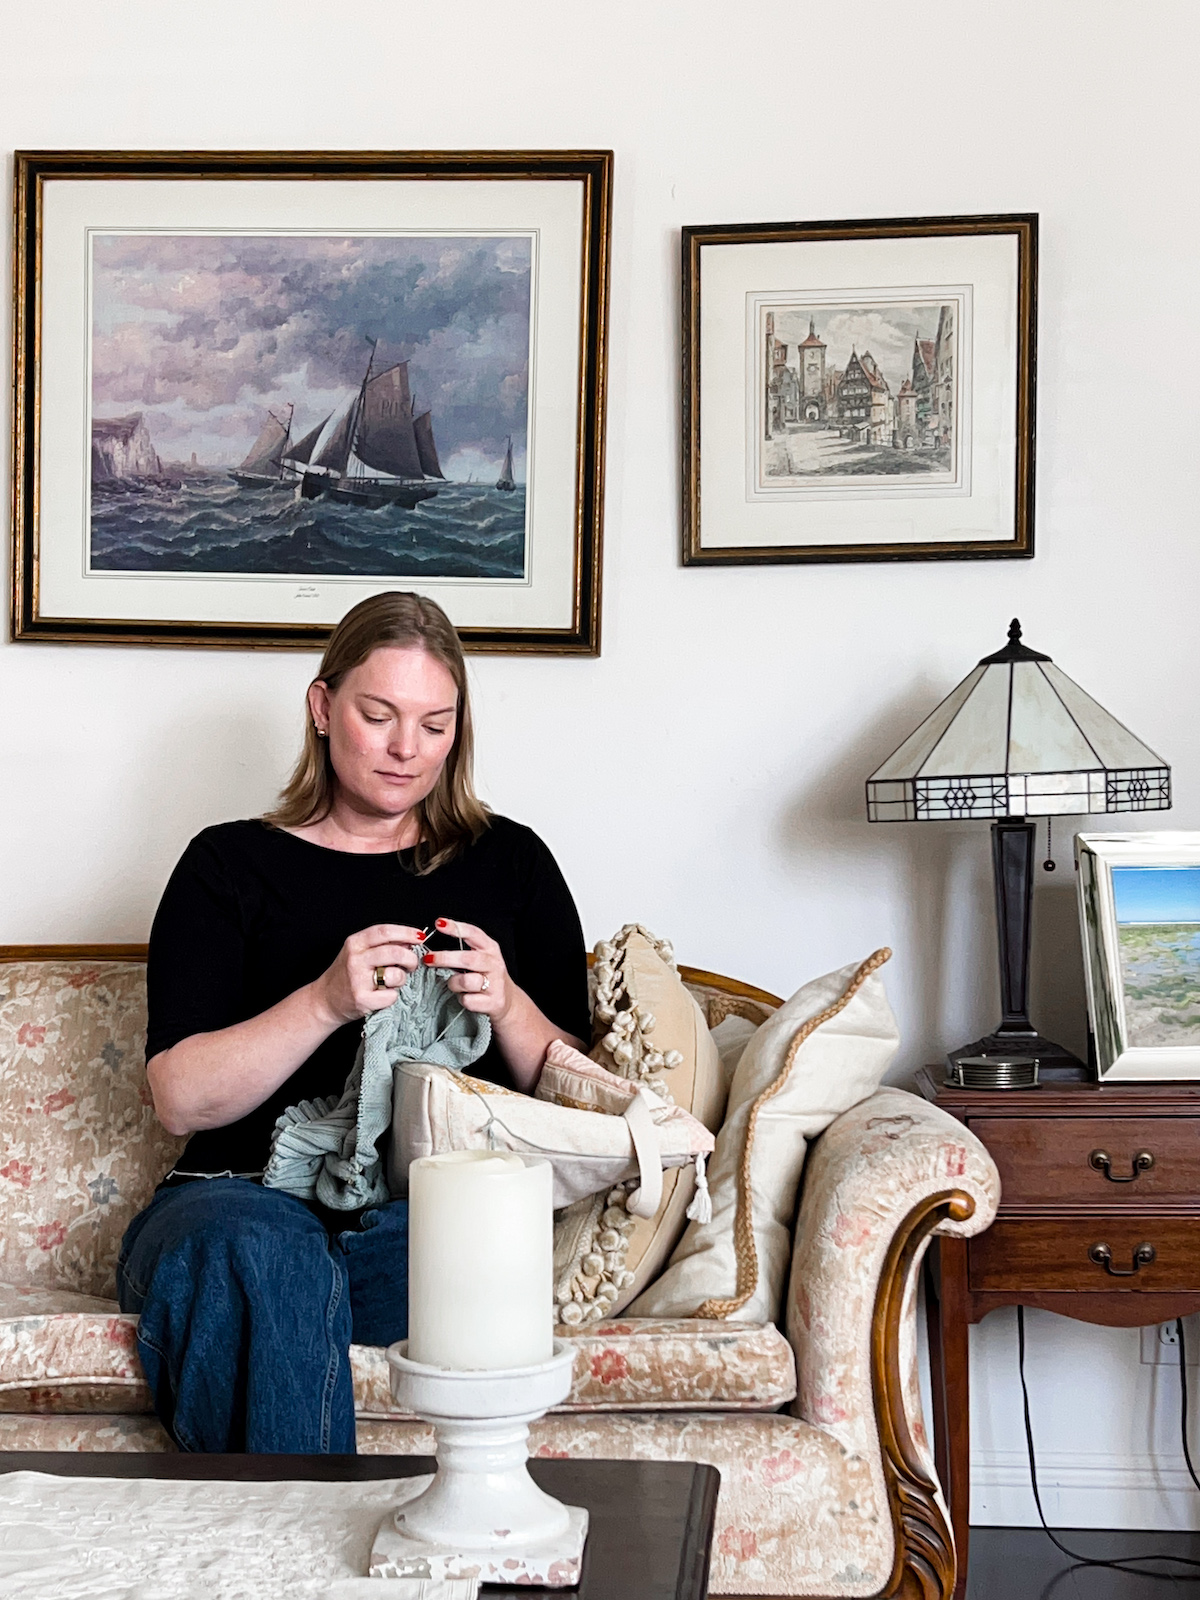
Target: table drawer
(1043, 1159)
(1048, 1253)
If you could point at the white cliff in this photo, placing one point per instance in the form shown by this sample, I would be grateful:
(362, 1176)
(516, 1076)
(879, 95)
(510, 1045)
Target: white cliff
(121, 448)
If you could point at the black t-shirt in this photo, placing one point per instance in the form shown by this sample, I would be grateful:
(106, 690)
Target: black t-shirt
(252, 913)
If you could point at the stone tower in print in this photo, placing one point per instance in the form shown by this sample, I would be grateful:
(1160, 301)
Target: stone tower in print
(812, 376)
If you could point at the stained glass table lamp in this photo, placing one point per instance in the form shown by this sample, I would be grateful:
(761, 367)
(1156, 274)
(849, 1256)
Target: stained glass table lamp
(1017, 739)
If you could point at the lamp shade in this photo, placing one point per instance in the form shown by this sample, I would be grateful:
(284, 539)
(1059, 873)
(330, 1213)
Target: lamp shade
(1017, 738)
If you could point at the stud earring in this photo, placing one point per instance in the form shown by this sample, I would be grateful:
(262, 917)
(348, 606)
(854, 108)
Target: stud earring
(320, 732)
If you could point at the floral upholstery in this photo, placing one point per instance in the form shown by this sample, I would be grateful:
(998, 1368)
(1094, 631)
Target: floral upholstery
(63, 1354)
(80, 1147)
(98, 1432)
(803, 1507)
(632, 1365)
(868, 1171)
(797, 1514)
(68, 1359)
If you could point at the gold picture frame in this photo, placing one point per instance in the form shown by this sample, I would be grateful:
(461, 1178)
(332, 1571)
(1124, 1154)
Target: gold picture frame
(800, 444)
(524, 241)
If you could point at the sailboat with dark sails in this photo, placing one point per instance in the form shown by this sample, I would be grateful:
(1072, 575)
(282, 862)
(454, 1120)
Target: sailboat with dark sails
(298, 457)
(379, 453)
(263, 467)
(506, 481)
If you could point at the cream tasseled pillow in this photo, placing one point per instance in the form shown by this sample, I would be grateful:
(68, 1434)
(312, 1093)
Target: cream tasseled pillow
(818, 1055)
(435, 1109)
(650, 1030)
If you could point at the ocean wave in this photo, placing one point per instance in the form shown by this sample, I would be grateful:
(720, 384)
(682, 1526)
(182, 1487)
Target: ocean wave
(211, 526)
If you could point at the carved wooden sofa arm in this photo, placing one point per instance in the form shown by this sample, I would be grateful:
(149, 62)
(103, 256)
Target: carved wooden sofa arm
(879, 1182)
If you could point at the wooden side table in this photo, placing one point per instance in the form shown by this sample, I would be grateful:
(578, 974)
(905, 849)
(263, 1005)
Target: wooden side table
(1099, 1205)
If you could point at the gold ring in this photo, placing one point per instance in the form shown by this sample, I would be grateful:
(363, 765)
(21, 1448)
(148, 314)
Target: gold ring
(380, 977)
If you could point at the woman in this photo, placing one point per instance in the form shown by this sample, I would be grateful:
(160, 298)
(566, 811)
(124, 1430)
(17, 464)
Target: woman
(273, 940)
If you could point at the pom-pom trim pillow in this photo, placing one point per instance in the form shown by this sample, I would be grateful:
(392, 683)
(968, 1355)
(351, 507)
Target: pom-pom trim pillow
(650, 1031)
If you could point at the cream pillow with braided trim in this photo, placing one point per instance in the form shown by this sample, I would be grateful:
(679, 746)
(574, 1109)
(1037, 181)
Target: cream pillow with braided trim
(818, 1055)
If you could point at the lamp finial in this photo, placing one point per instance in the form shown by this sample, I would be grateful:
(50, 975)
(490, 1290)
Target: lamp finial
(1014, 650)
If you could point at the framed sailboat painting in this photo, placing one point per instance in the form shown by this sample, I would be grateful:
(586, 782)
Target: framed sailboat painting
(253, 389)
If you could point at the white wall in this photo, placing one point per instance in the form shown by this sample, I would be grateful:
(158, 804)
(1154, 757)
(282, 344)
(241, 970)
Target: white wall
(705, 775)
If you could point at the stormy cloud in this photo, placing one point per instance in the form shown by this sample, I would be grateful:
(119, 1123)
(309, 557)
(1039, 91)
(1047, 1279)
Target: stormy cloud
(204, 333)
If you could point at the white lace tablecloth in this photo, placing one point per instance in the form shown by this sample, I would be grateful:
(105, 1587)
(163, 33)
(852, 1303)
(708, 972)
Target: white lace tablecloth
(171, 1539)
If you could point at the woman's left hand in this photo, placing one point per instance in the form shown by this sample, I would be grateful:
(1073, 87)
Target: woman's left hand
(481, 978)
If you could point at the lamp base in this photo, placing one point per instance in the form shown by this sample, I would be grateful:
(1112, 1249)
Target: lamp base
(1056, 1064)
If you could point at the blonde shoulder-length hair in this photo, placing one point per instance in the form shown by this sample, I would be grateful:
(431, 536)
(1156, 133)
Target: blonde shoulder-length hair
(451, 816)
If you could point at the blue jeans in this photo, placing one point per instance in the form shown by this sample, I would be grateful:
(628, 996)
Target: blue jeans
(248, 1304)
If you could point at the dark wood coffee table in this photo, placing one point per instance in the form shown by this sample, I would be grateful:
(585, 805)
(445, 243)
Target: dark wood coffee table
(651, 1521)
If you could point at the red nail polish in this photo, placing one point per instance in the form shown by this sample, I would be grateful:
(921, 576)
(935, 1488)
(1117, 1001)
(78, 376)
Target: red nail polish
(428, 960)
(441, 922)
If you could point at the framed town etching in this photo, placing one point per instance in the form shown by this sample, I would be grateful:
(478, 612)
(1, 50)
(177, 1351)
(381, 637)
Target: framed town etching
(253, 389)
(859, 391)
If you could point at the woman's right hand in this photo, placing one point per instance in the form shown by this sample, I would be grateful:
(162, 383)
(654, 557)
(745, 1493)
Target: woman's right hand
(211, 1079)
(348, 991)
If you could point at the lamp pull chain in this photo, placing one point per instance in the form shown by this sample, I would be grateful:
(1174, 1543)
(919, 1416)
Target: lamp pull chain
(1049, 864)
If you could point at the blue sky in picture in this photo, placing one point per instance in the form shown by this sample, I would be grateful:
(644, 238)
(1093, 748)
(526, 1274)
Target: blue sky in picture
(1157, 894)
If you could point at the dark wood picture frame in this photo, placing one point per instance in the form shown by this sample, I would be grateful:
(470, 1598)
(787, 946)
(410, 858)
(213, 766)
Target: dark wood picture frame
(1024, 227)
(592, 169)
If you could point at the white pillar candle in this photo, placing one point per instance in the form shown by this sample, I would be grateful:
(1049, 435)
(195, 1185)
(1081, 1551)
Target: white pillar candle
(480, 1261)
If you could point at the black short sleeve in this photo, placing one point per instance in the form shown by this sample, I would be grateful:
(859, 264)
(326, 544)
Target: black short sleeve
(195, 970)
(551, 952)
(252, 913)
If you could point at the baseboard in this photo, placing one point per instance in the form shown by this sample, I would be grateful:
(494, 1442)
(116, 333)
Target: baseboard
(1084, 1491)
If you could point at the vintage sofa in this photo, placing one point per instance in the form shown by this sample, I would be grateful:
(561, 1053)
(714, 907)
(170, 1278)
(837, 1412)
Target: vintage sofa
(827, 1483)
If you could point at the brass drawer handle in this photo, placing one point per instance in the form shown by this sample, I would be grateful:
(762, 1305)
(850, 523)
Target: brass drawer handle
(1142, 1257)
(1102, 1161)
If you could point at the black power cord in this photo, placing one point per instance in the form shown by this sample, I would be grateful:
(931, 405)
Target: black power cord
(1117, 1563)
(1183, 1400)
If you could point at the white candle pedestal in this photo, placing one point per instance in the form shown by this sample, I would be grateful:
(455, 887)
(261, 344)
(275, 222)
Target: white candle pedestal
(481, 1515)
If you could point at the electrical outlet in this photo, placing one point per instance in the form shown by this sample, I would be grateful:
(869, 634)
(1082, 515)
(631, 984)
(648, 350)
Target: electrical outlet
(1160, 1344)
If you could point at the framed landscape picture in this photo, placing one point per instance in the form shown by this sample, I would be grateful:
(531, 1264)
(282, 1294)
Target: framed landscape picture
(859, 391)
(1139, 902)
(253, 389)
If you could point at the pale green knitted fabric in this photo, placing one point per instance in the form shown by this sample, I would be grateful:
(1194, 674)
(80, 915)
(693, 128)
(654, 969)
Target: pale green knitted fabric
(328, 1150)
